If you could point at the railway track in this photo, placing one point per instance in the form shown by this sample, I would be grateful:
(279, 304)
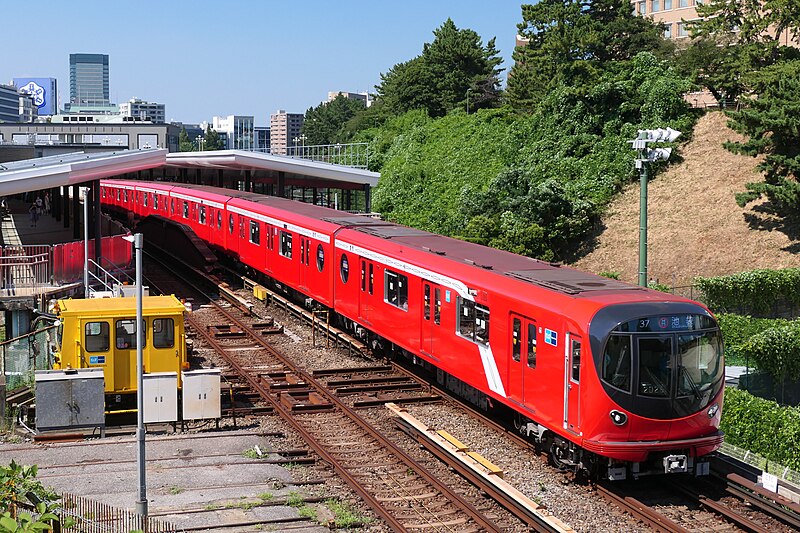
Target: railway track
(322, 409)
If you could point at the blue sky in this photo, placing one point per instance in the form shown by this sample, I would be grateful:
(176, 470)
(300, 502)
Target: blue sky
(203, 58)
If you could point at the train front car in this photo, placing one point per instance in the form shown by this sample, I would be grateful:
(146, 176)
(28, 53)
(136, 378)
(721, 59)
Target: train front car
(660, 367)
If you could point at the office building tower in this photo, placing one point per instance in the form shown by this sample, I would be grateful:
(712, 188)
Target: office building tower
(88, 80)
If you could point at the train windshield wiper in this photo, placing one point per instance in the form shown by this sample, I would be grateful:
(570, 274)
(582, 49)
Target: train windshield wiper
(696, 391)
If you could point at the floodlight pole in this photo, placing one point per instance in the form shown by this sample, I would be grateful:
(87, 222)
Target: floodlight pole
(642, 222)
(141, 502)
(85, 241)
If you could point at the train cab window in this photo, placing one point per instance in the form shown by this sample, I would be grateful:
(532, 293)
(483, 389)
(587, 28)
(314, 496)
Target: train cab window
(532, 345)
(126, 334)
(286, 244)
(698, 365)
(320, 257)
(219, 219)
(185, 209)
(97, 338)
(395, 289)
(163, 333)
(255, 232)
(617, 362)
(202, 215)
(231, 225)
(344, 268)
(576, 360)
(473, 321)
(655, 373)
(516, 341)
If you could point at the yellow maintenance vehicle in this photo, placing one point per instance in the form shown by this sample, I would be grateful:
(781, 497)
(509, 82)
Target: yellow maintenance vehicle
(101, 333)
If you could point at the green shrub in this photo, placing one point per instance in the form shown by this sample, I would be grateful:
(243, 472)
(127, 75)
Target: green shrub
(777, 351)
(755, 290)
(762, 426)
(737, 330)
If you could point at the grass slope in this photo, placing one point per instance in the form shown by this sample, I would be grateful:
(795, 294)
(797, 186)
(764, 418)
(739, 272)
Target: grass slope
(695, 227)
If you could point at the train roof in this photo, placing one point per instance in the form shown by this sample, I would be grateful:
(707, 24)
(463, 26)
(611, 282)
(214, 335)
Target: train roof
(553, 276)
(120, 307)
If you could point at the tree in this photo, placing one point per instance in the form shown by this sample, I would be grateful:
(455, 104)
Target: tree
(184, 144)
(454, 69)
(324, 124)
(773, 126)
(213, 140)
(571, 42)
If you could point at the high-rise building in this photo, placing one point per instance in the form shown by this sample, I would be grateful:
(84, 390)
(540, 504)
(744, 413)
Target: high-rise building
(141, 110)
(284, 132)
(9, 103)
(88, 79)
(361, 97)
(261, 138)
(238, 131)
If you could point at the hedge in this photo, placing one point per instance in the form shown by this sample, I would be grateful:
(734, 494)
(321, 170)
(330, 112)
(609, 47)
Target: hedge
(762, 426)
(737, 330)
(755, 290)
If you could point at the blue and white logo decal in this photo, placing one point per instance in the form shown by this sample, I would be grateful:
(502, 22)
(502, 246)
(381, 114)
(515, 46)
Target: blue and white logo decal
(35, 90)
(97, 360)
(550, 337)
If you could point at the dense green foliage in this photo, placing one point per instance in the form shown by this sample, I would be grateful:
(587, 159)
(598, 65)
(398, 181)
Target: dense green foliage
(531, 184)
(454, 71)
(777, 351)
(16, 482)
(762, 426)
(213, 140)
(737, 330)
(184, 144)
(754, 291)
(324, 124)
(572, 42)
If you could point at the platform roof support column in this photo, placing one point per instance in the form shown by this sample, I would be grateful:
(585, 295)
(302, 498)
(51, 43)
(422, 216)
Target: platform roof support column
(314, 195)
(220, 178)
(248, 183)
(281, 184)
(55, 203)
(367, 199)
(198, 176)
(76, 211)
(348, 200)
(98, 230)
(65, 205)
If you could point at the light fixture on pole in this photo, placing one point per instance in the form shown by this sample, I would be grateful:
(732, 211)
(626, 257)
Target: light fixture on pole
(85, 242)
(646, 156)
(141, 503)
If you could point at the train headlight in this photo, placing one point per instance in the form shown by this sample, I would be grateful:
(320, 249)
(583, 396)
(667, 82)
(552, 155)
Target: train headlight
(618, 417)
(712, 411)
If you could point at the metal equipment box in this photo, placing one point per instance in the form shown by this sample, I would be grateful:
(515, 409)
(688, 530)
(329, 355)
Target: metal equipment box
(201, 389)
(69, 398)
(160, 397)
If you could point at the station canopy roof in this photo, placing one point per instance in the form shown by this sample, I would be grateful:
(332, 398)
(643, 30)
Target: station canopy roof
(73, 169)
(244, 160)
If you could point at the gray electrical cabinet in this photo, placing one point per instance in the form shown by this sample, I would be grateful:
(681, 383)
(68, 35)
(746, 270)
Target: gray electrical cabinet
(69, 398)
(160, 397)
(201, 389)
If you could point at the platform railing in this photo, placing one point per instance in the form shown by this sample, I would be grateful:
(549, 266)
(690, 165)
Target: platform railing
(25, 267)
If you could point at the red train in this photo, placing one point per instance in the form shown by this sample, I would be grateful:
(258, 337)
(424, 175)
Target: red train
(608, 377)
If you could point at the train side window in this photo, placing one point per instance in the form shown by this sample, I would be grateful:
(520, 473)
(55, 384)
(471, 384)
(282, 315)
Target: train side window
(427, 301)
(396, 289)
(576, 361)
(155, 201)
(144, 198)
(516, 341)
(230, 224)
(202, 214)
(532, 345)
(219, 219)
(286, 244)
(617, 362)
(163, 333)
(185, 209)
(363, 276)
(126, 333)
(172, 205)
(320, 257)
(97, 338)
(437, 306)
(372, 278)
(344, 268)
(473, 321)
(118, 194)
(126, 195)
(255, 232)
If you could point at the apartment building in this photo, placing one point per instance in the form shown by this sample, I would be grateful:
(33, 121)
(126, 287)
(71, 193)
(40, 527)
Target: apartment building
(284, 129)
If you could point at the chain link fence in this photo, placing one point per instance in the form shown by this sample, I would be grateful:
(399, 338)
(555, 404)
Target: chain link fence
(21, 357)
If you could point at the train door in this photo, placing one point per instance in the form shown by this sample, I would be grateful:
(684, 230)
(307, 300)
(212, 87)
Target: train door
(125, 354)
(572, 381)
(269, 246)
(431, 316)
(305, 262)
(523, 357)
(97, 347)
(367, 280)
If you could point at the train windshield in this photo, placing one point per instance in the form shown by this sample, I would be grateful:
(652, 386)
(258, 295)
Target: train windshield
(674, 359)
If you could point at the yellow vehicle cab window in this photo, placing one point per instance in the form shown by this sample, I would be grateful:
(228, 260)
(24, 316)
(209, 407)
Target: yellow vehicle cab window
(163, 333)
(97, 337)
